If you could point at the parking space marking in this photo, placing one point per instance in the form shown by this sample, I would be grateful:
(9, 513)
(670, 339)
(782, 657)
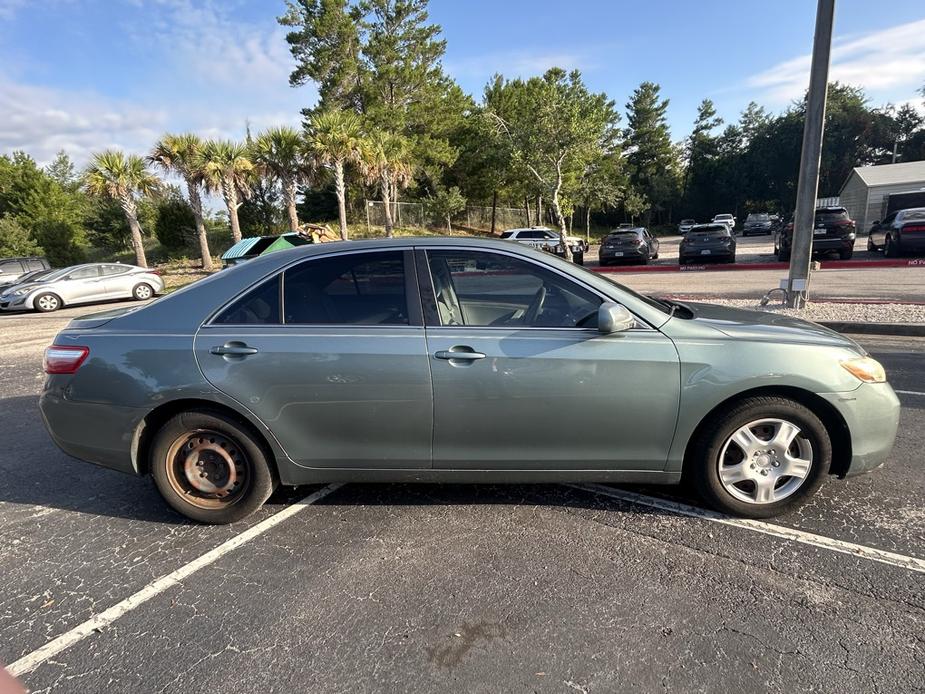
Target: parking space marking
(32, 660)
(908, 392)
(821, 541)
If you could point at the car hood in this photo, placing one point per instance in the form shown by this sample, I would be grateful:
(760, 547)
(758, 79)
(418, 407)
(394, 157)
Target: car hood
(763, 325)
(16, 287)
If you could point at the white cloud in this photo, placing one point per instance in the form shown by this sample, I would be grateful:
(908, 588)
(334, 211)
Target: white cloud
(882, 62)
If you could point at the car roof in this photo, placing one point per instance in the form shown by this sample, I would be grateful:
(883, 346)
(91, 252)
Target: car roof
(521, 229)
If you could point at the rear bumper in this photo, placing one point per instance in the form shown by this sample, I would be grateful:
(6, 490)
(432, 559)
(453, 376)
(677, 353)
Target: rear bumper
(628, 255)
(722, 253)
(912, 244)
(872, 415)
(92, 432)
(836, 244)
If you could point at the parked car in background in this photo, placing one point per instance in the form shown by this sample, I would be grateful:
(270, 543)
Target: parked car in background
(545, 239)
(82, 284)
(727, 219)
(833, 232)
(12, 269)
(899, 232)
(757, 223)
(685, 225)
(628, 246)
(30, 276)
(707, 242)
(287, 370)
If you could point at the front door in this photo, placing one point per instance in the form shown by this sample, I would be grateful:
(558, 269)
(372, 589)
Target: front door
(524, 381)
(81, 285)
(331, 359)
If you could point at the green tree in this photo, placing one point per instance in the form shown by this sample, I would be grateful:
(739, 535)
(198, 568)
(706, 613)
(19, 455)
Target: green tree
(124, 178)
(387, 163)
(62, 171)
(600, 186)
(334, 139)
(703, 164)
(651, 157)
(175, 223)
(15, 239)
(280, 154)
(556, 126)
(445, 203)
(227, 169)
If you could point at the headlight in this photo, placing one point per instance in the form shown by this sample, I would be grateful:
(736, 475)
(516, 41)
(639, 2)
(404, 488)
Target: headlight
(20, 292)
(865, 369)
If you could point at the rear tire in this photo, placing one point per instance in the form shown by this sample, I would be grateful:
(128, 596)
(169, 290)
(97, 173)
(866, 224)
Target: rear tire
(47, 302)
(142, 291)
(210, 468)
(782, 255)
(846, 255)
(754, 484)
(578, 258)
(889, 248)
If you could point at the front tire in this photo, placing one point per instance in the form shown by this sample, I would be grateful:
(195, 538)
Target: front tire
(760, 457)
(46, 303)
(210, 468)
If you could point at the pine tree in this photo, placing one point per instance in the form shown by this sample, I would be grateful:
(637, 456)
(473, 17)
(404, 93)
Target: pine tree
(651, 155)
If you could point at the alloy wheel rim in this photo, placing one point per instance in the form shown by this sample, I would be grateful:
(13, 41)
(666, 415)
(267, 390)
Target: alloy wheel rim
(208, 469)
(765, 461)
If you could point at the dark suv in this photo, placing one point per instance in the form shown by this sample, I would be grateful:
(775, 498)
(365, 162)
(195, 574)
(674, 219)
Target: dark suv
(11, 269)
(628, 245)
(833, 232)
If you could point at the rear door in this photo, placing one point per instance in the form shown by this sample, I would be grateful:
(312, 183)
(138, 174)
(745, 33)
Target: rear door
(118, 281)
(523, 380)
(330, 355)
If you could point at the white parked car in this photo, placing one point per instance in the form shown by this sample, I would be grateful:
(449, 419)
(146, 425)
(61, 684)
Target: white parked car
(727, 219)
(546, 239)
(83, 284)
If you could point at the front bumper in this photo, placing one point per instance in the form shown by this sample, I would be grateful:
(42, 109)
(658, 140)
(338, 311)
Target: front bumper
(872, 415)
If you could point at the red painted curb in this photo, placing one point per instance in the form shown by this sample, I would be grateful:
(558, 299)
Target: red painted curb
(718, 267)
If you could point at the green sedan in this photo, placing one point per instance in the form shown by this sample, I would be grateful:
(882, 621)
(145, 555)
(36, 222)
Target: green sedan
(458, 360)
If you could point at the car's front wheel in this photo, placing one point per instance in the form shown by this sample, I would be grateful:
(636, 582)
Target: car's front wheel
(46, 303)
(761, 457)
(210, 468)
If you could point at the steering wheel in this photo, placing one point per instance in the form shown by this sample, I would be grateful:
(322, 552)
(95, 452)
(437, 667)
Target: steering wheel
(536, 305)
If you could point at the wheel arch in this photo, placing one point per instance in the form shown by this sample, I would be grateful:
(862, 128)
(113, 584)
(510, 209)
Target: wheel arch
(156, 418)
(831, 418)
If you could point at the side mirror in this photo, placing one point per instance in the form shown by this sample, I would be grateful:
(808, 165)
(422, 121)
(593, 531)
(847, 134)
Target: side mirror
(875, 222)
(614, 318)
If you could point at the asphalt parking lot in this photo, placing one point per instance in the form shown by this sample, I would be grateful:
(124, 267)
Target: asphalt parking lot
(453, 588)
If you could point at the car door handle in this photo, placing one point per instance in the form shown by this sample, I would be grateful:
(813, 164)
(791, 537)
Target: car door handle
(233, 349)
(457, 353)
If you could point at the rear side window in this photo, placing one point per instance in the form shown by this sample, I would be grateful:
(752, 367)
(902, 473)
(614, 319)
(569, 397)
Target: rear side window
(11, 267)
(109, 270)
(36, 265)
(85, 273)
(355, 288)
(259, 306)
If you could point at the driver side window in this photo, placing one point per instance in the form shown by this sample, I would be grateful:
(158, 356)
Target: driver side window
(481, 289)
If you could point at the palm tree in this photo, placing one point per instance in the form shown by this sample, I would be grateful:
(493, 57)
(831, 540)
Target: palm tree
(387, 162)
(113, 174)
(333, 139)
(280, 153)
(180, 154)
(227, 169)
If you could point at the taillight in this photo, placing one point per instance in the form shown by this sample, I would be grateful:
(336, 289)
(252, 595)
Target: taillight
(64, 359)
(155, 272)
(914, 227)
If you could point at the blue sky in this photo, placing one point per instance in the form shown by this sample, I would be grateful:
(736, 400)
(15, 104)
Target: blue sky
(86, 74)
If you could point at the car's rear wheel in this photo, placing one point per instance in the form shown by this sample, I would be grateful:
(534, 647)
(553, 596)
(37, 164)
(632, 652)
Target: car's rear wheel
(210, 468)
(142, 291)
(889, 249)
(783, 255)
(578, 258)
(761, 457)
(846, 255)
(46, 303)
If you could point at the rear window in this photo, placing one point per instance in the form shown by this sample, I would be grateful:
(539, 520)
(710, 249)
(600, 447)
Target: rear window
(914, 216)
(506, 234)
(832, 215)
(708, 232)
(623, 234)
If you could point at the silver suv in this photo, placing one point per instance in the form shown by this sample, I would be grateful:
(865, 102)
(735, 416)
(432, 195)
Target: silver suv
(83, 284)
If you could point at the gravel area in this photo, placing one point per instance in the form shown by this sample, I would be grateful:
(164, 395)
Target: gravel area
(832, 311)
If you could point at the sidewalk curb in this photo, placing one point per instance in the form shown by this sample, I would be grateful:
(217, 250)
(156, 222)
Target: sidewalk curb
(899, 329)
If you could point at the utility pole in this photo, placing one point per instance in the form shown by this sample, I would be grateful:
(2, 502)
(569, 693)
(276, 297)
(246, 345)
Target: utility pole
(808, 183)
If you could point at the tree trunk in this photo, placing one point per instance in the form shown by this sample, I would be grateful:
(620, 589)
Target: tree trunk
(494, 209)
(387, 204)
(340, 189)
(539, 210)
(289, 191)
(560, 218)
(588, 223)
(195, 201)
(131, 216)
(231, 202)
(527, 208)
(449, 226)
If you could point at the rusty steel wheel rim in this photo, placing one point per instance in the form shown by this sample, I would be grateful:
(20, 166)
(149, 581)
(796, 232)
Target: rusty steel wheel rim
(208, 469)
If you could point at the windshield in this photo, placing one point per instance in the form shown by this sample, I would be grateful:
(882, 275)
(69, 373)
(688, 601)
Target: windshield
(688, 221)
(506, 234)
(622, 234)
(759, 217)
(723, 216)
(55, 274)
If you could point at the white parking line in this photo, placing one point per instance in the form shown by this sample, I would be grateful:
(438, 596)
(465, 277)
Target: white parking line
(32, 660)
(821, 541)
(908, 392)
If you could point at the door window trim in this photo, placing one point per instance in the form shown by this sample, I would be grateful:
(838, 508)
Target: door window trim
(429, 297)
(415, 313)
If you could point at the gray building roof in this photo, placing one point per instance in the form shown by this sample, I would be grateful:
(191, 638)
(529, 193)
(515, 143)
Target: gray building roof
(912, 172)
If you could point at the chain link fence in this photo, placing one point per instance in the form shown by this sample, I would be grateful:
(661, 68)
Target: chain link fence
(415, 215)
